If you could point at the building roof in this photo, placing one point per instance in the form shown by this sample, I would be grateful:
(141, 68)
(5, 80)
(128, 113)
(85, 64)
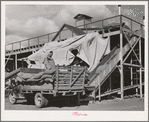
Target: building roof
(82, 16)
(75, 30)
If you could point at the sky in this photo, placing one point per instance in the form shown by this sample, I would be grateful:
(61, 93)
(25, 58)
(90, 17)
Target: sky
(26, 21)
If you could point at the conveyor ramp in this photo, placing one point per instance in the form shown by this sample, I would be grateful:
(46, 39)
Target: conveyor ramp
(105, 68)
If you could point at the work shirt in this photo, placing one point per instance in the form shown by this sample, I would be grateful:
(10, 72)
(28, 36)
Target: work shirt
(49, 63)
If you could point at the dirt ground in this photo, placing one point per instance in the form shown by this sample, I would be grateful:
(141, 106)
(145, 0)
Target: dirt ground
(127, 104)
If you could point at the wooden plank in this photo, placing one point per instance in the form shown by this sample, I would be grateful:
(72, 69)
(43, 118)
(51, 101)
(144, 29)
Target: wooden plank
(43, 87)
(68, 82)
(132, 65)
(72, 88)
(76, 78)
(64, 72)
(118, 90)
(111, 33)
(67, 85)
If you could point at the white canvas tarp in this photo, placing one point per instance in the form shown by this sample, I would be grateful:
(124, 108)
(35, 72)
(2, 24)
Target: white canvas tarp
(91, 47)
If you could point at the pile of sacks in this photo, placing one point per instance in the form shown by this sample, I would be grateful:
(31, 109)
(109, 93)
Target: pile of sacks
(47, 75)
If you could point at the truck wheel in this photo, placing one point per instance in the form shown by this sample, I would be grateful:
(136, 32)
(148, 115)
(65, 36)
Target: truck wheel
(40, 100)
(12, 98)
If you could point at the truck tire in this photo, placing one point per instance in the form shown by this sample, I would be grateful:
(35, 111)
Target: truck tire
(40, 100)
(12, 98)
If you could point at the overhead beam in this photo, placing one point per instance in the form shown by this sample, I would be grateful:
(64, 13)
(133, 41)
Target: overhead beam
(132, 65)
(16, 62)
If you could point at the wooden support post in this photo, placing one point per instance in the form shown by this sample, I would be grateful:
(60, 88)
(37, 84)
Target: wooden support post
(94, 95)
(99, 89)
(16, 65)
(121, 60)
(131, 72)
(140, 56)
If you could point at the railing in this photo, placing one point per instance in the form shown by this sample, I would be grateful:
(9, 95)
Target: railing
(100, 24)
(70, 77)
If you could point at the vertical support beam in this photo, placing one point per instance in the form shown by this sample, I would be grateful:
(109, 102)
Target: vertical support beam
(94, 95)
(140, 56)
(131, 72)
(121, 60)
(16, 65)
(119, 8)
(99, 89)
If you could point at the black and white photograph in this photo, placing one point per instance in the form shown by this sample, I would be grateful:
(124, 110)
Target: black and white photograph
(74, 61)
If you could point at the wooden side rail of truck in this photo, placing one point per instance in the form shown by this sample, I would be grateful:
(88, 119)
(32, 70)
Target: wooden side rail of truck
(66, 81)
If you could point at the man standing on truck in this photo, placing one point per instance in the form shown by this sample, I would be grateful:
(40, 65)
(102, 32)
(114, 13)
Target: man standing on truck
(49, 62)
(49, 65)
